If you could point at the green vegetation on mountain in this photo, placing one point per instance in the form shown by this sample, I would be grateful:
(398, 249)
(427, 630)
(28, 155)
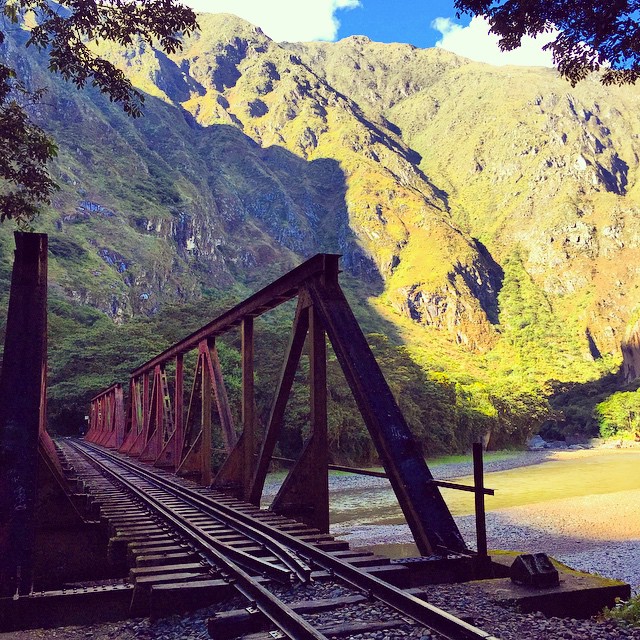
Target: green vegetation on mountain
(619, 415)
(65, 31)
(487, 219)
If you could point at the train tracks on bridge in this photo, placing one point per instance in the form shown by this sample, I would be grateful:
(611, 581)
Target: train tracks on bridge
(182, 537)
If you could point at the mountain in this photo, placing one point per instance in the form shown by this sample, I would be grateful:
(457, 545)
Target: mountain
(487, 216)
(526, 161)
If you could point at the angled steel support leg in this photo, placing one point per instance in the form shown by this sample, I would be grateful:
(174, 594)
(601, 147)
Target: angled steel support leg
(428, 517)
(304, 494)
(287, 376)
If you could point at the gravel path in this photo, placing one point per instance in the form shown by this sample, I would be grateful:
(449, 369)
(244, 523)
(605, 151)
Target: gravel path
(507, 624)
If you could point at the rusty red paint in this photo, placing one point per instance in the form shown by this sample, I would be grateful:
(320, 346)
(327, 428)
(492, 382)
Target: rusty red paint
(22, 410)
(162, 434)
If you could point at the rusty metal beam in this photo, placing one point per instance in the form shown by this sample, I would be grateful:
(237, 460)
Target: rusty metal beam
(23, 395)
(153, 446)
(318, 401)
(427, 515)
(248, 406)
(206, 389)
(222, 400)
(382, 474)
(178, 409)
(273, 295)
(304, 494)
(316, 284)
(276, 416)
(168, 456)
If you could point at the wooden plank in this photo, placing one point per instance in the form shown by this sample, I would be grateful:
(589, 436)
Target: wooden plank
(241, 622)
(356, 628)
(178, 597)
(138, 572)
(157, 559)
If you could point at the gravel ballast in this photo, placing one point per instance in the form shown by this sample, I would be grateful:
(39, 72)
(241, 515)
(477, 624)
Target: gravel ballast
(608, 543)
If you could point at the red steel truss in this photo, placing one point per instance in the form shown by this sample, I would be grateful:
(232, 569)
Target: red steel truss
(159, 428)
(27, 453)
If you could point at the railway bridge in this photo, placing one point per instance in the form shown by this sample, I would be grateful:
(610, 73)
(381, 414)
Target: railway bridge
(140, 517)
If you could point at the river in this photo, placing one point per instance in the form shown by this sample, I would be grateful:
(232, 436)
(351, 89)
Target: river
(582, 507)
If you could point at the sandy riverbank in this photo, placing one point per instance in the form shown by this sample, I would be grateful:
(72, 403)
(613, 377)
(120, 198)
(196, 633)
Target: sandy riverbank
(598, 533)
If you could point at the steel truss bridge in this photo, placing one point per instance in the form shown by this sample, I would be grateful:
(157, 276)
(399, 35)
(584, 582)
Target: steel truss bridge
(157, 427)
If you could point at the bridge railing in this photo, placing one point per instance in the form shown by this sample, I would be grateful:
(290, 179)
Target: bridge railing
(160, 429)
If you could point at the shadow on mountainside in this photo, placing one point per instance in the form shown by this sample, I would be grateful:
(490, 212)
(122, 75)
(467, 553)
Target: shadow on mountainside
(298, 204)
(159, 210)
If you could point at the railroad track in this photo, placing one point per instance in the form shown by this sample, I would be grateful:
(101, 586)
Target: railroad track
(262, 561)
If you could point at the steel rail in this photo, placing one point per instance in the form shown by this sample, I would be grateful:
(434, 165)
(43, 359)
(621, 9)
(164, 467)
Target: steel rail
(244, 559)
(285, 618)
(419, 610)
(259, 535)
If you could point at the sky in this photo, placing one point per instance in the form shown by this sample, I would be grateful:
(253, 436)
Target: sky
(423, 23)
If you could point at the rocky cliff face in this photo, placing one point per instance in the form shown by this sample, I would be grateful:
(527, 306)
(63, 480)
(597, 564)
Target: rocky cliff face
(631, 352)
(423, 169)
(246, 157)
(525, 160)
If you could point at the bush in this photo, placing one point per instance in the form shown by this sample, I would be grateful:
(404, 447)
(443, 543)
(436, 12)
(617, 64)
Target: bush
(627, 612)
(619, 415)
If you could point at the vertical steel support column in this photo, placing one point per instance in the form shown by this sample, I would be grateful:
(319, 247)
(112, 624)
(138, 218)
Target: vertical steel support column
(478, 481)
(179, 409)
(304, 494)
(428, 517)
(22, 394)
(248, 406)
(133, 409)
(159, 408)
(120, 417)
(206, 390)
(276, 415)
(318, 396)
(146, 404)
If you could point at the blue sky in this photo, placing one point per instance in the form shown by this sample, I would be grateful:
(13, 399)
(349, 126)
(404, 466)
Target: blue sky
(423, 23)
(400, 21)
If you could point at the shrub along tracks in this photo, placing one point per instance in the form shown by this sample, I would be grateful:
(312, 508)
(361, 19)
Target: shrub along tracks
(196, 540)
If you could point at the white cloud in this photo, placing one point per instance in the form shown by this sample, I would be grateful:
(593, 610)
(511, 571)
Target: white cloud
(292, 20)
(475, 42)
